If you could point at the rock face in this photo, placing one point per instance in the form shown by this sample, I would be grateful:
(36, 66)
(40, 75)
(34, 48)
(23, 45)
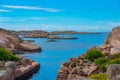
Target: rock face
(112, 43)
(12, 42)
(113, 72)
(15, 70)
(76, 68)
(28, 46)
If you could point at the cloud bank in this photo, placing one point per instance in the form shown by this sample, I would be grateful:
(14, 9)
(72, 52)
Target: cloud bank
(31, 8)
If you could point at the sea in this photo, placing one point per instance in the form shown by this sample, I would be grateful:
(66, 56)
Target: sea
(56, 52)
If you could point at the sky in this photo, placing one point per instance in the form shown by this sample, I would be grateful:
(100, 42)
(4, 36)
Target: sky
(51, 15)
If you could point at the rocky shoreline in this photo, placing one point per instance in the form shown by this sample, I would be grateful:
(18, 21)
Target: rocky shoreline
(12, 42)
(49, 35)
(18, 68)
(92, 67)
(76, 68)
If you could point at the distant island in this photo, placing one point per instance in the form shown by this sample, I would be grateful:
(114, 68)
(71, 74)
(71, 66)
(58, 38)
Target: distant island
(49, 35)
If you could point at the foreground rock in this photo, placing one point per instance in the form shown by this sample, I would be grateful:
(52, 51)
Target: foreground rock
(28, 46)
(76, 68)
(12, 42)
(79, 68)
(113, 72)
(112, 43)
(18, 70)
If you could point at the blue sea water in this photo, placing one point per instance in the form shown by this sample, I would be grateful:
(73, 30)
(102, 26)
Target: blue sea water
(55, 53)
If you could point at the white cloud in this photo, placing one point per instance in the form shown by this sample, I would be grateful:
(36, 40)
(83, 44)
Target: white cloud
(3, 19)
(114, 24)
(31, 8)
(4, 10)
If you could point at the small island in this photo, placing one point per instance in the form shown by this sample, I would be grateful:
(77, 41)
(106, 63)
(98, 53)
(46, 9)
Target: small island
(51, 35)
(60, 37)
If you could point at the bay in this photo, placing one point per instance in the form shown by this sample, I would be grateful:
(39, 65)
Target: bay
(55, 53)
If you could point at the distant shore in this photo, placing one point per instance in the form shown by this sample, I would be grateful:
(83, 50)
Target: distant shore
(50, 35)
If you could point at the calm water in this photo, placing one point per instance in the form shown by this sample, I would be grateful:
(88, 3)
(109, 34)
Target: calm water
(55, 53)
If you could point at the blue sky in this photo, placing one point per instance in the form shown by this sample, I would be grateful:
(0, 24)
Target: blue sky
(49, 15)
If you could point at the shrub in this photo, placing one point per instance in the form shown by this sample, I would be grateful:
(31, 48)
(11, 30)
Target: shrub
(116, 55)
(113, 61)
(93, 54)
(98, 76)
(103, 67)
(21, 40)
(6, 55)
(73, 64)
(100, 61)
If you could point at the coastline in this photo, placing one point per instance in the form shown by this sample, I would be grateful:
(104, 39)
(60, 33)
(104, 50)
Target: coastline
(12, 65)
(99, 63)
(29, 73)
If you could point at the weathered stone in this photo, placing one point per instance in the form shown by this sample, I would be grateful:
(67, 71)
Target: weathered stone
(2, 63)
(65, 64)
(10, 64)
(113, 72)
(112, 43)
(92, 69)
(28, 46)
(12, 42)
(118, 77)
(85, 71)
(114, 50)
(73, 71)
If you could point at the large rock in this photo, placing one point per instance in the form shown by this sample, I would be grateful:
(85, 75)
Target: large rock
(12, 42)
(10, 64)
(19, 71)
(112, 43)
(9, 41)
(113, 72)
(28, 46)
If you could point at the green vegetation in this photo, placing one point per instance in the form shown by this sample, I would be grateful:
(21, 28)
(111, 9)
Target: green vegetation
(21, 40)
(100, 61)
(116, 55)
(98, 76)
(113, 61)
(73, 64)
(103, 67)
(93, 54)
(6, 55)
